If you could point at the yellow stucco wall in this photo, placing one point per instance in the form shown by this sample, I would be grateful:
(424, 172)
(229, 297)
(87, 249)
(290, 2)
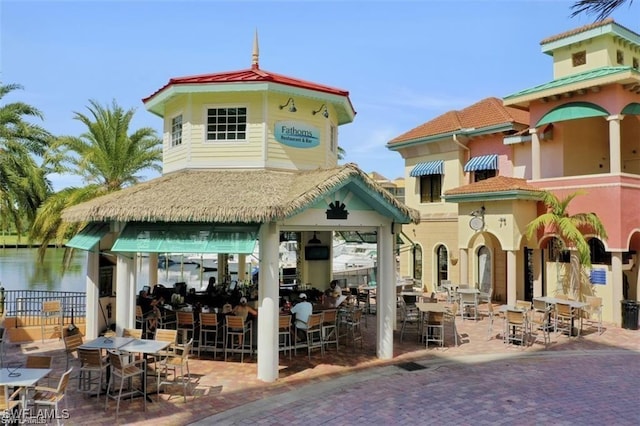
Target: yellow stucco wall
(260, 148)
(600, 52)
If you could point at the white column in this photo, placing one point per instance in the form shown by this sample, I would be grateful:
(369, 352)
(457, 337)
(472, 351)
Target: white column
(385, 292)
(616, 287)
(269, 292)
(463, 266)
(93, 293)
(511, 278)
(125, 307)
(535, 154)
(615, 160)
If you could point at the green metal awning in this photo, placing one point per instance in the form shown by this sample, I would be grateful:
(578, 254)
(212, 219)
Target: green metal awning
(187, 238)
(572, 111)
(89, 236)
(632, 109)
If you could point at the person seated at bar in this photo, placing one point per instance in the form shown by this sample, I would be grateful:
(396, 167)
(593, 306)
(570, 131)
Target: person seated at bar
(301, 311)
(243, 310)
(332, 295)
(150, 310)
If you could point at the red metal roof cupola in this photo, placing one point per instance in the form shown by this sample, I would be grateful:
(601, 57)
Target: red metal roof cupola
(252, 79)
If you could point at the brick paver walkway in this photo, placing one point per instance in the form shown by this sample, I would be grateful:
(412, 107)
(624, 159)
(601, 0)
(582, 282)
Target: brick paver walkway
(594, 379)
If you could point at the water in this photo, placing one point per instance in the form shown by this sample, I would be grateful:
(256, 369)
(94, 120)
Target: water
(21, 270)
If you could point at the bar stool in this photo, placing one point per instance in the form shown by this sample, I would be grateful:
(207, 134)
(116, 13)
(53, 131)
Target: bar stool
(208, 327)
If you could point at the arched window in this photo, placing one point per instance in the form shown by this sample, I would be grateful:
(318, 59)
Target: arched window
(484, 269)
(417, 262)
(443, 263)
(556, 251)
(598, 253)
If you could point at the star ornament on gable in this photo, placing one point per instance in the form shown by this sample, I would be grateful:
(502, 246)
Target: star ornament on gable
(337, 210)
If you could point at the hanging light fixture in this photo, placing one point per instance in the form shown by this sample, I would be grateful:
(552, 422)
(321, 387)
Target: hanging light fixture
(291, 104)
(323, 108)
(315, 239)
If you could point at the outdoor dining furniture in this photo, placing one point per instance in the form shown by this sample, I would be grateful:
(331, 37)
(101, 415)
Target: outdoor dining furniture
(209, 328)
(284, 333)
(594, 308)
(441, 310)
(239, 336)
(51, 316)
(468, 301)
(172, 363)
(515, 325)
(19, 379)
(71, 343)
(539, 322)
(330, 327)
(125, 371)
(433, 328)
(410, 318)
(145, 347)
(576, 307)
(51, 397)
(92, 369)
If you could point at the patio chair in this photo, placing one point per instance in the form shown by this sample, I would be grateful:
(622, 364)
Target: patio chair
(451, 314)
(515, 327)
(594, 308)
(523, 304)
(353, 327)
(330, 327)
(71, 344)
(187, 325)
(40, 361)
(10, 401)
(314, 334)
(134, 333)
(468, 304)
(284, 333)
(179, 361)
(52, 397)
(164, 335)
(91, 363)
(410, 316)
(539, 321)
(565, 316)
(51, 315)
(208, 332)
(125, 371)
(433, 330)
(485, 296)
(242, 332)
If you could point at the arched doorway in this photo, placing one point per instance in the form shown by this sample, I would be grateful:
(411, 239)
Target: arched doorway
(485, 269)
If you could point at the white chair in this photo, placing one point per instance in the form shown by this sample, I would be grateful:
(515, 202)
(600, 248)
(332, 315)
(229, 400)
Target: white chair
(410, 319)
(468, 305)
(594, 308)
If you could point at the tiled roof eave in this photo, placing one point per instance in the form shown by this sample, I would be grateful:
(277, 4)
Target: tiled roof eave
(516, 194)
(487, 130)
(549, 89)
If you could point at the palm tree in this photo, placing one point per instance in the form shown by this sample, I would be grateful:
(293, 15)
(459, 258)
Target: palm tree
(602, 8)
(106, 157)
(23, 185)
(569, 228)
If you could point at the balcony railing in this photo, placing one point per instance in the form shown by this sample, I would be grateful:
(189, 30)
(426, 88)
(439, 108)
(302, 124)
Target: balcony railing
(26, 305)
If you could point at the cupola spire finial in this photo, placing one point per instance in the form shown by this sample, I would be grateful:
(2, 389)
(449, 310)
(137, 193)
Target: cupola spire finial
(256, 52)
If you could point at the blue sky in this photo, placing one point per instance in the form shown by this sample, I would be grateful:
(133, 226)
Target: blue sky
(403, 62)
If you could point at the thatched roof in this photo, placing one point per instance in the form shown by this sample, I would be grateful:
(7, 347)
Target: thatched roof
(225, 196)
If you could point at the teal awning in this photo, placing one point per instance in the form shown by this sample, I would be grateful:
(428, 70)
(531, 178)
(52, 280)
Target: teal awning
(632, 109)
(428, 168)
(483, 162)
(187, 238)
(89, 236)
(572, 111)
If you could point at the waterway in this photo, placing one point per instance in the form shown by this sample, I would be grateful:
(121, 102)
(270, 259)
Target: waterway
(21, 270)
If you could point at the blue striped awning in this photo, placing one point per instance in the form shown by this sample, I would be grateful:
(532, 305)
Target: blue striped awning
(484, 162)
(428, 168)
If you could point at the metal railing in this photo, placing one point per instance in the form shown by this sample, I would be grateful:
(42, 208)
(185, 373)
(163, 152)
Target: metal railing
(26, 305)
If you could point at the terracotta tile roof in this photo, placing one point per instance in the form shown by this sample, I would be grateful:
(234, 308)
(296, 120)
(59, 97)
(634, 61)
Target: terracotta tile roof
(578, 30)
(487, 112)
(253, 74)
(494, 184)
